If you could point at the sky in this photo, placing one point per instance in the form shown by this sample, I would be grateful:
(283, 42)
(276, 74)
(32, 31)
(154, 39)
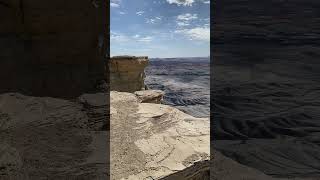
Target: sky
(160, 28)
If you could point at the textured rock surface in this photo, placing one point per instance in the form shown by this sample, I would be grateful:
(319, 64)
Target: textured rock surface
(154, 140)
(52, 48)
(127, 73)
(150, 96)
(49, 138)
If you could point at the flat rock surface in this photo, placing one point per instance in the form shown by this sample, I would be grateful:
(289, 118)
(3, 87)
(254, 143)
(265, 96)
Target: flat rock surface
(154, 140)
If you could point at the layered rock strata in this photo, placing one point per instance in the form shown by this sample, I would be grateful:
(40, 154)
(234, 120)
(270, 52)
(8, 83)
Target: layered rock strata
(153, 141)
(127, 73)
(50, 138)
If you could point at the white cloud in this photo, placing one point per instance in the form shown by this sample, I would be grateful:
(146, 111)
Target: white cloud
(139, 13)
(140, 38)
(153, 20)
(182, 24)
(115, 3)
(123, 38)
(118, 37)
(206, 2)
(198, 33)
(122, 13)
(185, 19)
(181, 2)
(145, 39)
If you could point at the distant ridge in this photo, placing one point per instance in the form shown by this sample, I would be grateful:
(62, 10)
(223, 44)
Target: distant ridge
(181, 59)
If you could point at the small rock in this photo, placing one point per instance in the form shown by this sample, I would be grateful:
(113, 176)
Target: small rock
(150, 96)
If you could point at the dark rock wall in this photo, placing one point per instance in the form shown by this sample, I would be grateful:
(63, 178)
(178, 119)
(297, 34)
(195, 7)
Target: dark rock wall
(53, 48)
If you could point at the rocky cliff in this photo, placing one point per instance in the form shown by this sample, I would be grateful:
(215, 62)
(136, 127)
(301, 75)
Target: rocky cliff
(127, 73)
(52, 53)
(150, 140)
(52, 48)
(153, 141)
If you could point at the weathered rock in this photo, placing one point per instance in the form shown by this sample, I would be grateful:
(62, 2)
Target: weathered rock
(154, 140)
(52, 48)
(97, 108)
(43, 137)
(127, 73)
(150, 96)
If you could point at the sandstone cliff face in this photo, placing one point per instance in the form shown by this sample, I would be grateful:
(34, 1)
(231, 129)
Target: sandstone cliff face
(52, 48)
(127, 73)
(152, 141)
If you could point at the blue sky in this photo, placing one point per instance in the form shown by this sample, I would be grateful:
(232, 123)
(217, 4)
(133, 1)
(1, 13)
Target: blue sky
(160, 28)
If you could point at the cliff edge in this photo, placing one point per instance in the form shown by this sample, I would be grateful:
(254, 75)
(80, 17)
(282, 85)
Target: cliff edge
(154, 140)
(150, 140)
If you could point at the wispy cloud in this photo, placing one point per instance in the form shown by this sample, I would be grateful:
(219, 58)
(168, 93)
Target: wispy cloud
(153, 20)
(117, 37)
(144, 39)
(115, 3)
(197, 33)
(183, 23)
(181, 2)
(206, 2)
(185, 19)
(139, 13)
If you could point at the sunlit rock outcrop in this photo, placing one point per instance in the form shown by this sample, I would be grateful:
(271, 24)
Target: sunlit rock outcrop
(150, 96)
(127, 73)
(154, 140)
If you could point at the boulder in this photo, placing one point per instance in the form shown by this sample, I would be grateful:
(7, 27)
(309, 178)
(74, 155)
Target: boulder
(154, 140)
(150, 96)
(127, 73)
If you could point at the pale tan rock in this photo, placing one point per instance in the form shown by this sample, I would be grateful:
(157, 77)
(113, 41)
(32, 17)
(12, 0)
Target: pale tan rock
(154, 140)
(127, 73)
(150, 96)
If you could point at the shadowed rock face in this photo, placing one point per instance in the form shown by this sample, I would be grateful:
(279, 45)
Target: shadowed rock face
(57, 49)
(44, 137)
(127, 73)
(265, 94)
(52, 48)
